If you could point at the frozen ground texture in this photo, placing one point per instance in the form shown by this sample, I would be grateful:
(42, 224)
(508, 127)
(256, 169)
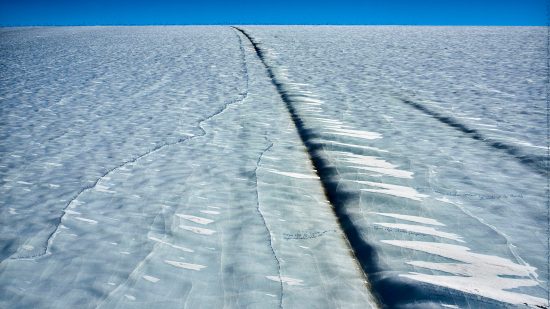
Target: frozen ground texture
(300, 167)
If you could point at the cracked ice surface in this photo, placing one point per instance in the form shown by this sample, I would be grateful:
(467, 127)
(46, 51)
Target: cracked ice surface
(452, 124)
(200, 222)
(91, 101)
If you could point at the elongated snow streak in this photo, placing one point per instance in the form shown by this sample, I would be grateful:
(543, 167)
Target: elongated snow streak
(240, 98)
(258, 162)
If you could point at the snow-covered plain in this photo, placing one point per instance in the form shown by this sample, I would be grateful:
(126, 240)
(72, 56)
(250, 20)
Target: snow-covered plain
(300, 167)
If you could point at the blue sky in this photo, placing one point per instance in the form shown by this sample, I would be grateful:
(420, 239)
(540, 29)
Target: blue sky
(169, 12)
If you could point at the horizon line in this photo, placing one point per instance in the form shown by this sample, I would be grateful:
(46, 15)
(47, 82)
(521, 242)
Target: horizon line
(267, 24)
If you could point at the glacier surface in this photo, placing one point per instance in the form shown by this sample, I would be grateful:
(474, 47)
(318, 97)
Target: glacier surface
(271, 167)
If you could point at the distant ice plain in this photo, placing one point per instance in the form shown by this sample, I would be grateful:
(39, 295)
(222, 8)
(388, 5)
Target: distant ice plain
(150, 166)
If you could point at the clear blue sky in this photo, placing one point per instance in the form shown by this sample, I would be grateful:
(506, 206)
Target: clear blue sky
(170, 12)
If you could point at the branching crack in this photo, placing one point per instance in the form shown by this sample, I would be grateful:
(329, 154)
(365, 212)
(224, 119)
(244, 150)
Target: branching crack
(240, 98)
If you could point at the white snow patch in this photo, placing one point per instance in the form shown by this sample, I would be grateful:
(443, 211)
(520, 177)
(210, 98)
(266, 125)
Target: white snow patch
(86, 220)
(386, 171)
(287, 280)
(355, 133)
(421, 230)
(416, 219)
(195, 219)
(475, 273)
(210, 212)
(53, 164)
(375, 164)
(130, 297)
(395, 190)
(327, 120)
(151, 278)
(169, 244)
(102, 188)
(197, 230)
(293, 175)
(444, 200)
(366, 160)
(185, 265)
(357, 146)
